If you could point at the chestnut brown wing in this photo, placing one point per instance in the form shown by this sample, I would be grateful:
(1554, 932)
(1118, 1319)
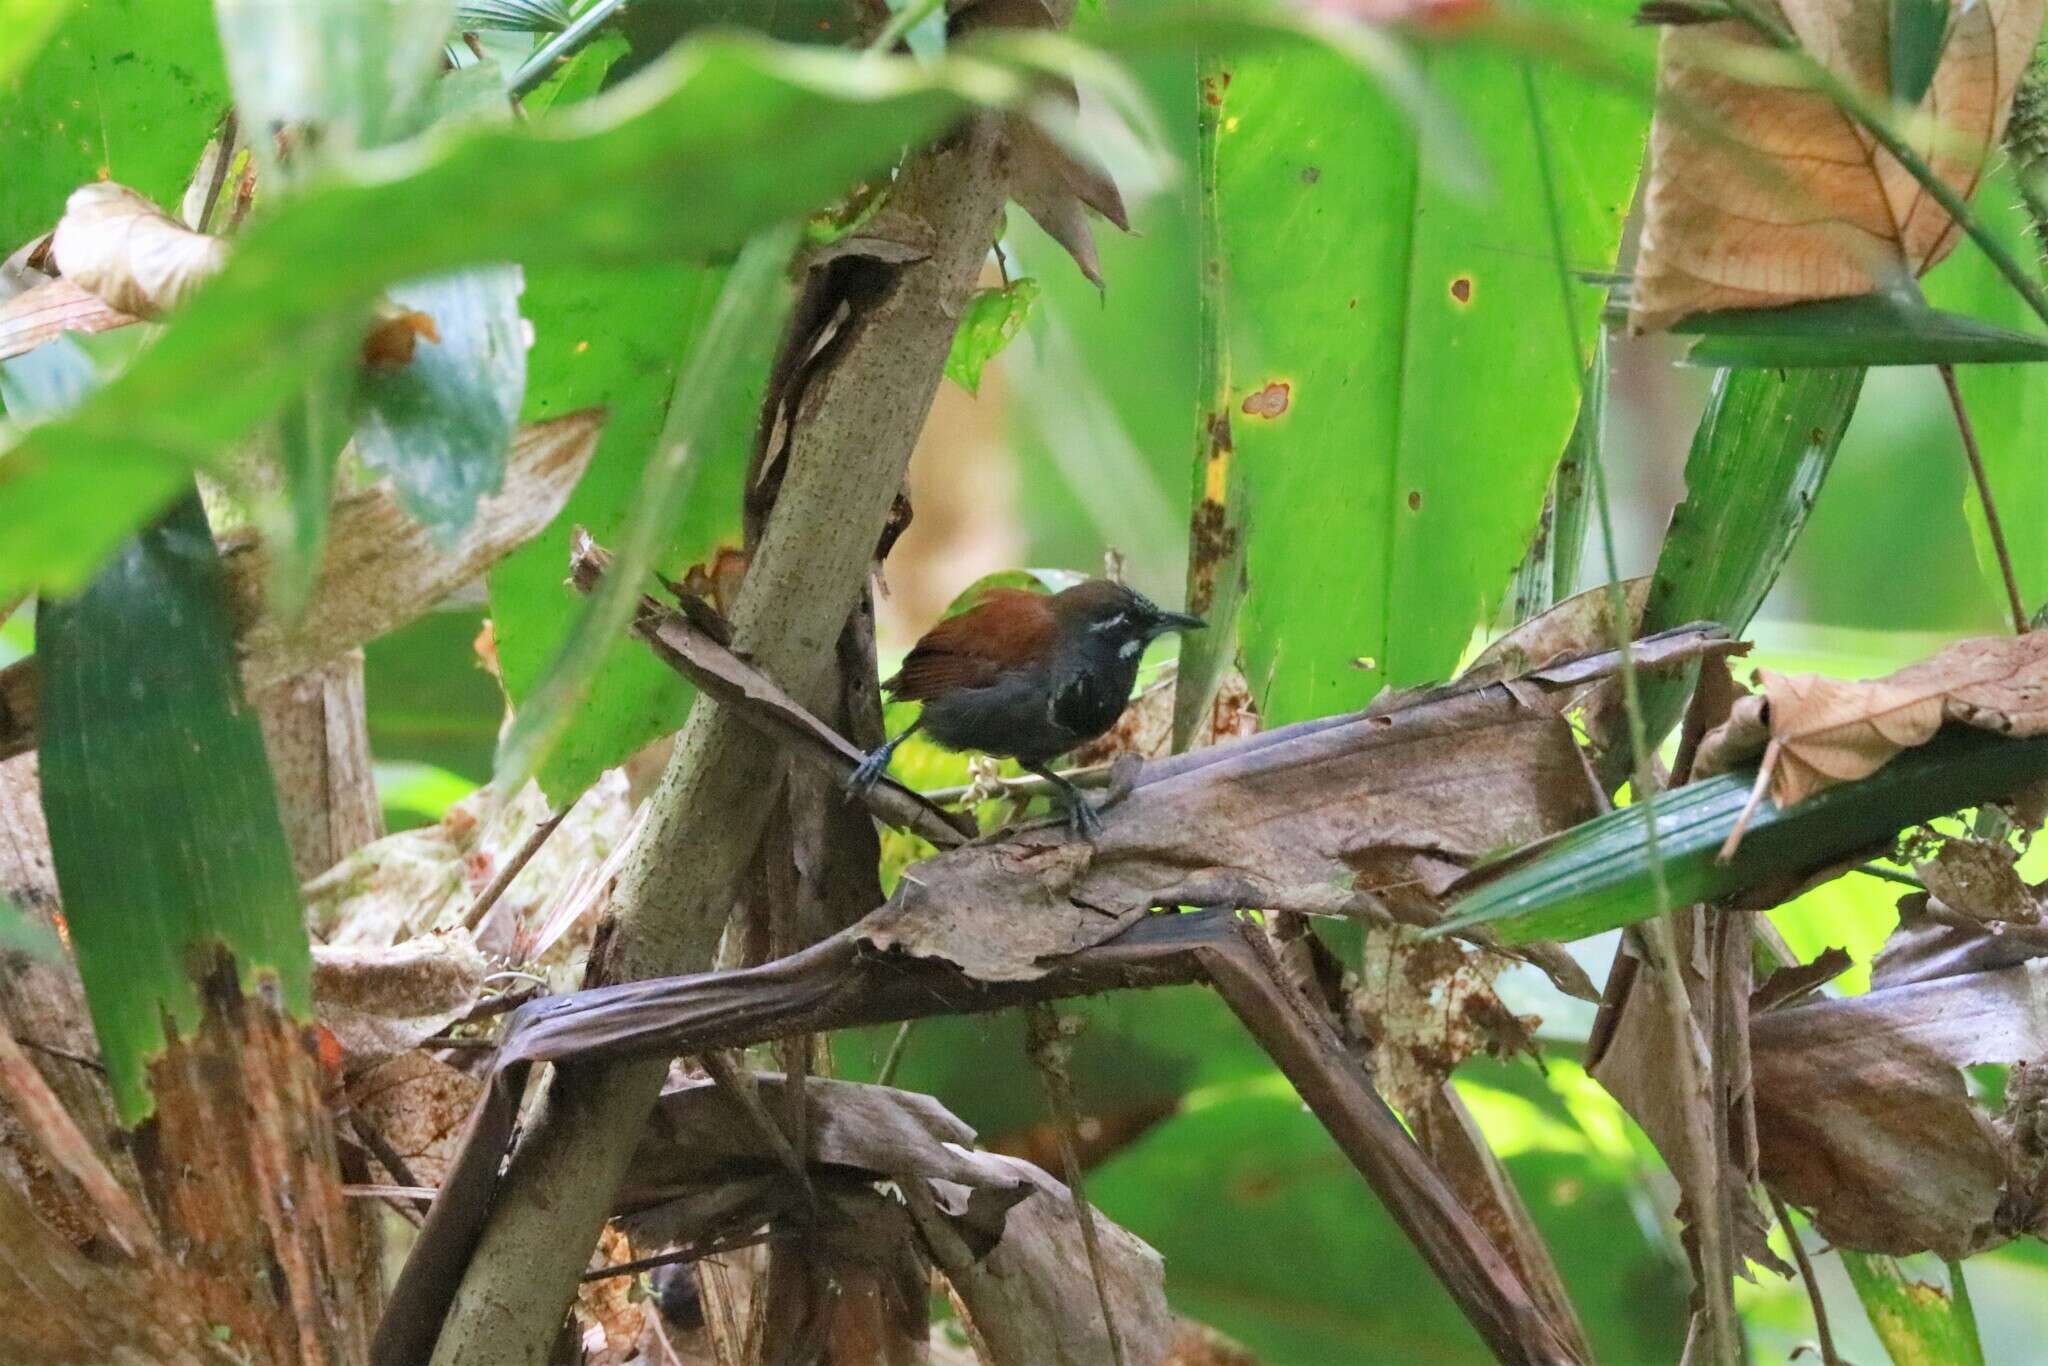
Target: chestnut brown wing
(1008, 628)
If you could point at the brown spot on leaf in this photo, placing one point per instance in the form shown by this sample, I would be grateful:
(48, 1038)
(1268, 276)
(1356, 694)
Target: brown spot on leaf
(1270, 401)
(1311, 174)
(1461, 289)
(1415, 500)
(1214, 86)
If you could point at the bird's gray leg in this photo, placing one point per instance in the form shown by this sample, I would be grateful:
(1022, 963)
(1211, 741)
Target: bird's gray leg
(876, 763)
(1081, 815)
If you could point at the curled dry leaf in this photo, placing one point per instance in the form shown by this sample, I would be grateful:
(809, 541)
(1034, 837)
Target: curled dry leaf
(1863, 1114)
(1765, 194)
(51, 309)
(1058, 189)
(382, 1000)
(1831, 730)
(1582, 622)
(131, 254)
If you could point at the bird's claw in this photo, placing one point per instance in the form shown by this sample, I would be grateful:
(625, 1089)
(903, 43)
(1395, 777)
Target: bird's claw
(867, 772)
(1084, 821)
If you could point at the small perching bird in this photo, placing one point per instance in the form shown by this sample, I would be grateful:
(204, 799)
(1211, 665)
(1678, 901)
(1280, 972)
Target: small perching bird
(1029, 676)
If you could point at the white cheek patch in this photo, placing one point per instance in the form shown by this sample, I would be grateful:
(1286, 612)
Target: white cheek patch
(1129, 648)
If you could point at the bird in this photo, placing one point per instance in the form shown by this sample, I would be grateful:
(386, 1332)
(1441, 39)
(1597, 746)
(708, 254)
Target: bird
(1028, 676)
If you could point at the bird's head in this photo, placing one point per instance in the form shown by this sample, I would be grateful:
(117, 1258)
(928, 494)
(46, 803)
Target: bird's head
(1106, 614)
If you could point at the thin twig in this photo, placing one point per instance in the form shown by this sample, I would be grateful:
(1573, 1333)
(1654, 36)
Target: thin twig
(516, 865)
(1820, 1309)
(57, 1134)
(1984, 498)
(560, 48)
(1018, 788)
(1049, 1052)
(894, 1057)
(680, 1254)
(385, 1190)
(1885, 874)
(381, 1148)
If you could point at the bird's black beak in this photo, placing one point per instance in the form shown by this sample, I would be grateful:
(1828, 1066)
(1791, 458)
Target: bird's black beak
(1177, 621)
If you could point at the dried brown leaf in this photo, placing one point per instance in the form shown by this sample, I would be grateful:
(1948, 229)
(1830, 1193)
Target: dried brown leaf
(1832, 730)
(1788, 984)
(1978, 879)
(1766, 193)
(418, 1104)
(1058, 189)
(120, 246)
(382, 1000)
(1582, 622)
(51, 309)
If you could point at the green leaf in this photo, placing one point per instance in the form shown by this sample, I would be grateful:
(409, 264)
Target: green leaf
(1871, 329)
(513, 16)
(1919, 30)
(1396, 382)
(1598, 876)
(1334, 1280)
(430, 700)
(25, 25)
(2008, 404)
(725, 136)
(309, 436)
(614, 339)
(163, 815)
(1919, 1323)
(354, 69)
(440, 424)
(1549, 573)
(123, 89)
(1763, 447)
(21, 933)
(718, 396)
(990, 322)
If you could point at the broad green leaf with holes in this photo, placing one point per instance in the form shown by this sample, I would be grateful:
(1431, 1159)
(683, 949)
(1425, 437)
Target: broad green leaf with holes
(171, 852)
(1396, 375)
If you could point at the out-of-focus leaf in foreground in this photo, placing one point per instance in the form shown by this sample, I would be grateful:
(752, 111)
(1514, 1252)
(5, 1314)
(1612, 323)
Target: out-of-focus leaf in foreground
(726, 135)
(164, 826)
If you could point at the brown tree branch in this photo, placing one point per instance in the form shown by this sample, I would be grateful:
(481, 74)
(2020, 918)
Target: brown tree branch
(849, 441)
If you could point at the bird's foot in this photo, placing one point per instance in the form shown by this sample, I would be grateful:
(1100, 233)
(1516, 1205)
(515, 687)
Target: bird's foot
(1084, 821)
(869, 771)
